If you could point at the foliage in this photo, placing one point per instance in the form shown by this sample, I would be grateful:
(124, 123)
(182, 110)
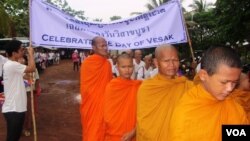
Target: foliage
(18, 17)
(113, 18)
(4, 22)
(233, 20)
(64, 6)
(200, 5)
(14, 16)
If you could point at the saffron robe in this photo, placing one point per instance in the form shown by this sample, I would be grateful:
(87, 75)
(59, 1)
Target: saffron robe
(199, 116)
(243, 98)
(157, 98)
(120, 108)
(95, 75)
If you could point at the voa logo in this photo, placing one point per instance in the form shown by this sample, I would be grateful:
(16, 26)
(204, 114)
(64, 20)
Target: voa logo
(236, 132)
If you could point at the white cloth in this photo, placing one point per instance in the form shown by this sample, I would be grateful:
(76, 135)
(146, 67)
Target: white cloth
(198, 67)
(14, 88)
(114, 67)
(2, 61)
(136, 68)
(144, 73)
(154, 72)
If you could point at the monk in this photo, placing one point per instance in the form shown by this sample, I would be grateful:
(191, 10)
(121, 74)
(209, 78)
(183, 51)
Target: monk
(95, 75)
(242, 92)
(120, 103)
(158, 96)
(203, 110)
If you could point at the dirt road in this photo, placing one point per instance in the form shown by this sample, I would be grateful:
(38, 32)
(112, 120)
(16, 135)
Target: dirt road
(58, 106)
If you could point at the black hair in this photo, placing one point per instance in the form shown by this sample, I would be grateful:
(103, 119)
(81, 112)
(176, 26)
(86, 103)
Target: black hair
(12, 46)
(217, 55)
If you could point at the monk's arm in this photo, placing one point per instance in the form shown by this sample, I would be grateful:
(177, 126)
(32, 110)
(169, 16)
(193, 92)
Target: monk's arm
(129, 135)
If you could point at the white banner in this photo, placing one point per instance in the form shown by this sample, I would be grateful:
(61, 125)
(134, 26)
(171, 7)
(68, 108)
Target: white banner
(52, 27)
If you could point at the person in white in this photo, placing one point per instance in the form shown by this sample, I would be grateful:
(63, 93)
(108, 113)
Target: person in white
(144, 71)
(15, 104)
(155, 68)
(2, 61)
(138, 63)
(113, 63)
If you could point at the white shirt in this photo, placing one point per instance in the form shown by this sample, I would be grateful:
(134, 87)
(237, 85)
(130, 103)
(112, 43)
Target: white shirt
(144, 73)
(14, 89)
(2, 61)
(198, 67)
(136, 68)
(153, 72)
(114, 67)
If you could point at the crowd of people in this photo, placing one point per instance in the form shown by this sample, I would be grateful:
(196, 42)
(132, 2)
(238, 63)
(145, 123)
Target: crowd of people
(119, 104)
(131, 96)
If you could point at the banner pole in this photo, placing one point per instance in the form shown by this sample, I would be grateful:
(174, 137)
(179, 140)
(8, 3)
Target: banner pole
(31, 78)
(188, 37)
(190, 43)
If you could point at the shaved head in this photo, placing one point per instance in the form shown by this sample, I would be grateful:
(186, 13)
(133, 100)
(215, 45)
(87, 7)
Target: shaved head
(167, 60)
(125, 66)
(162, 48)
(100, 47)
(123, 56)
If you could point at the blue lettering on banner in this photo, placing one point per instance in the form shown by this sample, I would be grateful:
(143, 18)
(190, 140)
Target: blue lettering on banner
(160, 39)
(110, 34)
(49, 38)
(136, 32)
(235, 132)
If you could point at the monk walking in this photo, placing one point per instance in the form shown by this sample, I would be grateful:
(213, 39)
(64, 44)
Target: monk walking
(203, 110)
(95, 75)
(158, 96)
(120, 103)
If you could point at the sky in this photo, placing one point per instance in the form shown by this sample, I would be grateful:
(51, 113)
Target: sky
(104, 9)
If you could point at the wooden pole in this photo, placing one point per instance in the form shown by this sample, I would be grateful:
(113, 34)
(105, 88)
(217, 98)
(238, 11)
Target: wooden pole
(31, 78)
(33, 107)
(188, 37)
(190, 43)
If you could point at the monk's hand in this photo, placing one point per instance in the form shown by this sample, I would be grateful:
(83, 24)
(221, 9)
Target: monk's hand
(128, 136)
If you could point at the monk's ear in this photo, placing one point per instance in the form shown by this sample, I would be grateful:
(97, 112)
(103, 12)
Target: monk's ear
(203, 74)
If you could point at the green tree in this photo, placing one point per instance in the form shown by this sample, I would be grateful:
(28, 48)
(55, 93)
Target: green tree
(113, 18)
(151, 5)
(18, 17)
(64, 6)
(233, 24)
(155, 3)
(4, 22)
(97, 20)
(200, 5)
(233, 20)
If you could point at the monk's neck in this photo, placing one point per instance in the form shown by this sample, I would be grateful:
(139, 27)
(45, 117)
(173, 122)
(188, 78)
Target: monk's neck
(167, 76)
(103, 56)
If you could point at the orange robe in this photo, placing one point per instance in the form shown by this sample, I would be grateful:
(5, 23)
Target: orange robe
(199, 116)
(95, 75)
(157, 98)
(120, 108)
(243, 98)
